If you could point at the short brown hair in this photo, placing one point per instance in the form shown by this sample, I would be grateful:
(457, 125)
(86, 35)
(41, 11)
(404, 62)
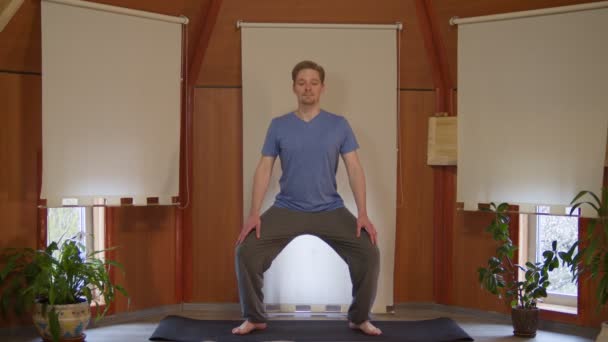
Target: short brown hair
(307, 65)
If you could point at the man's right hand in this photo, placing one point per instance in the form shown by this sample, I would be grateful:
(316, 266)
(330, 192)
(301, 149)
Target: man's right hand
(253, 221)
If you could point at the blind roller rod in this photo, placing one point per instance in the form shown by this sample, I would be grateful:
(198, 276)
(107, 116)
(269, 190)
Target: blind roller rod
(122, 10)
(532, 13)
(395, 26)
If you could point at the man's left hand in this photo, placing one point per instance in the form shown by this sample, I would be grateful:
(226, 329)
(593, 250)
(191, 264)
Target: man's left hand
(363, 222)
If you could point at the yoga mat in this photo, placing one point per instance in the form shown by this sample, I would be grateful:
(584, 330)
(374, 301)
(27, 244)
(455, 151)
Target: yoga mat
(182, 329)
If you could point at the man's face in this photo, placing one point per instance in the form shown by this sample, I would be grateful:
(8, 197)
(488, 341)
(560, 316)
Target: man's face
(308, 87)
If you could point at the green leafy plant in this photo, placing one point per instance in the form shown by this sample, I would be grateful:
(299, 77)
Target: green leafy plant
(592, 253)
(500, 275)
(59, 274)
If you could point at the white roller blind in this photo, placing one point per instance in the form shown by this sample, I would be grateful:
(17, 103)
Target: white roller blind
(533, 109)
(361, 79)
(110, 104)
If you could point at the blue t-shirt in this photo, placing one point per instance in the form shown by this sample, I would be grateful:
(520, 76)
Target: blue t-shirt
(309, 153)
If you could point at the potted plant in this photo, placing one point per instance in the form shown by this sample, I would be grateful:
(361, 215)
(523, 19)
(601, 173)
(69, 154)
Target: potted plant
(500, 277)
(58, 283)
(591, 257)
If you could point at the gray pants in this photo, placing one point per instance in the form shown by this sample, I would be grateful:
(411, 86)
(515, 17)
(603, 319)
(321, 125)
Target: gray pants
(337, 228)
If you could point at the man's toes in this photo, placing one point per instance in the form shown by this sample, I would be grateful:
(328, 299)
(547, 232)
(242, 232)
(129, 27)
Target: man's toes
(248, 327)
(237, 331)
(376, 331)
(370, 329)
(243, 329)
(366, 327)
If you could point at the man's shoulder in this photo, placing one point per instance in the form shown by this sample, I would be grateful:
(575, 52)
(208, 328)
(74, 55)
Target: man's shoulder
(284, 116)
(337, 118)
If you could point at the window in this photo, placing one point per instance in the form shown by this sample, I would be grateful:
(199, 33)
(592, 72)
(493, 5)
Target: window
(83, 224)
(542, 230)
(68, 223)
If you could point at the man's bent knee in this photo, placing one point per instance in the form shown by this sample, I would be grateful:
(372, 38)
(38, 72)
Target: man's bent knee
(372, 255)
(244, 252)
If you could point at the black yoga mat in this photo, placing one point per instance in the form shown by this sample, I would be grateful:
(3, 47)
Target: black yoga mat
(176, 328)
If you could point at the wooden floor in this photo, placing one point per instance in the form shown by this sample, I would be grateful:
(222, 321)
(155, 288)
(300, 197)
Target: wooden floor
(480, 325)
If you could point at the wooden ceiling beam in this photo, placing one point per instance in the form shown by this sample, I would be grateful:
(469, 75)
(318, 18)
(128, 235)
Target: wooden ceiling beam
(437, 54)
(209, 17)
(183, 224)
(444, 177)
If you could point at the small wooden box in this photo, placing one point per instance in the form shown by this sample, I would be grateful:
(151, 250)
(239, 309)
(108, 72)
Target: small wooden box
(442, 143)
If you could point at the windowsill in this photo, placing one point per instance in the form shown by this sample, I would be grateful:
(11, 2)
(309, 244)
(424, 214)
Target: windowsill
(571, 310)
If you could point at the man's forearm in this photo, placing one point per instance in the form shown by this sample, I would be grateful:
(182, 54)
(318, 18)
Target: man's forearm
(357, 185)
(260, 185)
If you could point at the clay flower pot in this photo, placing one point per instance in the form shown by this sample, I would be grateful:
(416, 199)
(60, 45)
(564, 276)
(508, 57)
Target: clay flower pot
(73, 319)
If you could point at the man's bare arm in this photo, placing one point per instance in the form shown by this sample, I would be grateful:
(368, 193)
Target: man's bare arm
(356, 178)
(261, 179)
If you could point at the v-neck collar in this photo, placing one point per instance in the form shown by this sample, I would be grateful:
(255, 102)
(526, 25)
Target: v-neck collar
(307, 122)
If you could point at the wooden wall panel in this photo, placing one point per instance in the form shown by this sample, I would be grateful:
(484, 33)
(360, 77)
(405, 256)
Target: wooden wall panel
(222, 65)
(472, 247)
(446, 9)
(145, 237)
(414, 240)
(588, 313)
(217, 195)
(20, 48)
(20, 139)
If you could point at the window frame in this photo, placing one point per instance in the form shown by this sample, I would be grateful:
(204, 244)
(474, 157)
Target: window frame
(529, 226)
(92, 221)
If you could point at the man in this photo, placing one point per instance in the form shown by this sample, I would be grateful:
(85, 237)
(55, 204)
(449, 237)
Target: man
(309, 142)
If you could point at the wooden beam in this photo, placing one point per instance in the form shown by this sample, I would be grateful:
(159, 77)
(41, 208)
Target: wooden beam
(110, 226)
(436, 52)
(183, 227)
(42, 212)
(444, 177)
(8, 8)
(210, 14)
(179, 256)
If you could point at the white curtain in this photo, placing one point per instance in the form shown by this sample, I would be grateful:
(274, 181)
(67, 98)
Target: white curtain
(110, 104)
(532, 109)
(361, 79)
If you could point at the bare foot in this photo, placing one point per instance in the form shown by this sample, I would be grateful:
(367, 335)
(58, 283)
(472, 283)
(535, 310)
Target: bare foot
(248, 327)
(367, 327)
